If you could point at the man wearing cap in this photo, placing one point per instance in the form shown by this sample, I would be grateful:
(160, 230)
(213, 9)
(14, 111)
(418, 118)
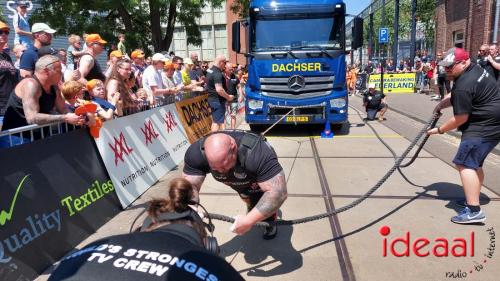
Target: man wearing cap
(138, 66)
(89, 68)
(42, 36)
(475, 99)
(21, 25)
(374, 101)
(152, 81)
(113, 58)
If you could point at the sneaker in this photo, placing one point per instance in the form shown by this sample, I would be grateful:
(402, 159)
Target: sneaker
(467, 217)
(270, 231)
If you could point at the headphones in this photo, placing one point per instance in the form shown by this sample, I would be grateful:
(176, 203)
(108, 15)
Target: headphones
(186, 231)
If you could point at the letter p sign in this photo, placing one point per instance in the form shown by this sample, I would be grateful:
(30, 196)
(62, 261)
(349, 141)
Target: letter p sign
(383, 35)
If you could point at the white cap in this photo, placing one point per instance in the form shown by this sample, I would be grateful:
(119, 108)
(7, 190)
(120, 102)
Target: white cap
(187, 61)
(42, 27)
(158, 57)
(371, 86)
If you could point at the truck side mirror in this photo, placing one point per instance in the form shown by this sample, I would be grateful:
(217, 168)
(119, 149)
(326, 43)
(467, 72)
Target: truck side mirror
(357, 33)
(236, 37)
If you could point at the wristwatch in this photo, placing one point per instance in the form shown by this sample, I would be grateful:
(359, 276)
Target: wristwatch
(439, 131)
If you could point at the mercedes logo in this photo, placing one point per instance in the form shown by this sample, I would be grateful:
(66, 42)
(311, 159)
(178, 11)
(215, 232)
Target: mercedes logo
(296, 83)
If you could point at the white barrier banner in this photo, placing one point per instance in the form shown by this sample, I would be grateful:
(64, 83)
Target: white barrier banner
(139, 149)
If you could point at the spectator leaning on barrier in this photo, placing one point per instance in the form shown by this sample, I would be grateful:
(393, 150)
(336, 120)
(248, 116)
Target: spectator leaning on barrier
(168, 79)
(8, 73)
(374, 102)
(475, 99)
(217, 93)
(179, 64)
(21, 25)
(196, 72)
(89, 67)
(97, 93)
(116, 84)
(42, 35)
(152, 80)
(34, 99)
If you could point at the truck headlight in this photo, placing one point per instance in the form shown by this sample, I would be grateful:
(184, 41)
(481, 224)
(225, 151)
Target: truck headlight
(338, 103)
(255, 104)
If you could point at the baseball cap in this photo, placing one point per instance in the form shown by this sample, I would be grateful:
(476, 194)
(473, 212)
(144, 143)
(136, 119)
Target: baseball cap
(42, 27)
(94, 38)
(3, 25)
(371, 86)
(92, 84)
(158, 57)
(188, 61)
(46, 50)
(137, 54)
(22, 3)
(116, 54)
(454, 55)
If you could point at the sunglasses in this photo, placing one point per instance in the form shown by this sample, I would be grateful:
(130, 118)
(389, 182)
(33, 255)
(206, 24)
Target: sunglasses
(6, 32)
(452, 66)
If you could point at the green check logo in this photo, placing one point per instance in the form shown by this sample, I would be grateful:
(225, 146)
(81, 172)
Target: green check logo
(6, 216)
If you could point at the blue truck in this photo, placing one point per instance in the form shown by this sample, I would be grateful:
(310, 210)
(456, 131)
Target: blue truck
(296, 61)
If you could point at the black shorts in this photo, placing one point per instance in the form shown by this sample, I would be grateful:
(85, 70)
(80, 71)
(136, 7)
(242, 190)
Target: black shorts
(371, 113)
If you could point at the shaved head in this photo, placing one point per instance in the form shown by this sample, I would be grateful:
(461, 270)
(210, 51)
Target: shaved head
(221, 152)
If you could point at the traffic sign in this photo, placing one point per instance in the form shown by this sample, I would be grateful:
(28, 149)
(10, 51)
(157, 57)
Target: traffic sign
(383, 35)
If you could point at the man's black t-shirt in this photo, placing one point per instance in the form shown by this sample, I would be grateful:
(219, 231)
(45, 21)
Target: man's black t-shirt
(232, 86)
(261, 165)
(476, 93)
(9, 78)
(215, 76)
(484, 63)
(374, 100)
(144, 256)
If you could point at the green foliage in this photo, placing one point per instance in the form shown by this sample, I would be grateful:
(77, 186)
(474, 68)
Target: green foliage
(240, 7)
(425, 15)
(146, 23)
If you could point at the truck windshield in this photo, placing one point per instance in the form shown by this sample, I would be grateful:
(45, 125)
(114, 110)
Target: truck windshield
(290, 33)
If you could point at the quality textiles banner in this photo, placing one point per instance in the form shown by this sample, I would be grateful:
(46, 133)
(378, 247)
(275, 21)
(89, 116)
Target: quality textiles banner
(139, 149)
(54, 194)
(196, 117)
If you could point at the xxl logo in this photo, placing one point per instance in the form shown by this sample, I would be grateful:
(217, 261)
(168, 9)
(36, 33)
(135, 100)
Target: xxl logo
(119, 148)
(7, 216)
(169, 121)
(149, 132)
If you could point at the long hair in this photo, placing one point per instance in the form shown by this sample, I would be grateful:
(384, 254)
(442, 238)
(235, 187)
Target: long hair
(179, 198)
(128, 103)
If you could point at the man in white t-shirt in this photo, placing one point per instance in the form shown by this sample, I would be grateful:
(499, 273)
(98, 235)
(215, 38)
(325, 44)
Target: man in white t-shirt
(152, 81)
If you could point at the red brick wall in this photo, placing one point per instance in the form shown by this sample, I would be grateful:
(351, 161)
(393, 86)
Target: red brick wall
(231, 17)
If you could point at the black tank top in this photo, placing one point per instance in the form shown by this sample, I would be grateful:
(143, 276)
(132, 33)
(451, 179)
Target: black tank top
(14, 115)
(95, 72)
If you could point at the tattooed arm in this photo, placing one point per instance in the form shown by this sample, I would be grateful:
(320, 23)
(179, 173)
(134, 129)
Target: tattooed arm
(196, 182)
(275, 194)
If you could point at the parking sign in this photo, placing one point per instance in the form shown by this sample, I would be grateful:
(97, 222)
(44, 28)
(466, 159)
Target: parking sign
(383, 35)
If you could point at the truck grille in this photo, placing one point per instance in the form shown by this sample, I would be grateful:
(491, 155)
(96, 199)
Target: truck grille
(297, 87)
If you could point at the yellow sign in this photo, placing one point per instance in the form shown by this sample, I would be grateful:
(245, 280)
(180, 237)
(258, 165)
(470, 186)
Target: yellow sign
(291, 67)
(297, 119)
(195, 116)
(395, 83)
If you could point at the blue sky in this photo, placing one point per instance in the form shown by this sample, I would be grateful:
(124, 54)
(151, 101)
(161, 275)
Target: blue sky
(355, 7)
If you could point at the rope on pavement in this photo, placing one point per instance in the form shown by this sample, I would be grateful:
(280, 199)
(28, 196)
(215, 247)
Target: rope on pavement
(397, 165)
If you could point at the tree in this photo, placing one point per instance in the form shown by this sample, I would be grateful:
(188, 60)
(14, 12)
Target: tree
(240, 8)
(145, 22)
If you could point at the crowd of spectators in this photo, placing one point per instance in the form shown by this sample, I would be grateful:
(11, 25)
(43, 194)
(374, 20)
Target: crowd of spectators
(129, 83)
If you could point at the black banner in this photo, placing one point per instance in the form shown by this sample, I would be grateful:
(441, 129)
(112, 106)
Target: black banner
(361, 80)
(54, 194)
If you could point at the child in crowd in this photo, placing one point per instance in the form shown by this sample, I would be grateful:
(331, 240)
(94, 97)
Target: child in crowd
(97, 93)
(73, 94)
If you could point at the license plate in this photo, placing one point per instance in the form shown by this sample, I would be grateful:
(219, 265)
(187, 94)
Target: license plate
(297, 119)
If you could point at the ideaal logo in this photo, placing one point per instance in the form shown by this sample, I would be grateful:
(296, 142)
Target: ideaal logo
(37, 225)
(169, 121)
(439, 247)
(149, 132)
(120, 147)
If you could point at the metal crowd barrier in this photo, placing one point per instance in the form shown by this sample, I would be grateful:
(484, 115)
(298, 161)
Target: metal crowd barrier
(31, 133)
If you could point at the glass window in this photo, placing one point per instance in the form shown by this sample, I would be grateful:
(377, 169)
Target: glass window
(298, 32)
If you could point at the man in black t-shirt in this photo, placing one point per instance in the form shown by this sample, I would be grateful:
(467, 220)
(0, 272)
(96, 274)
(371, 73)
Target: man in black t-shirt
(145, 256)
(374, 101)
(246, 163)
(217, 92)
(475, 98)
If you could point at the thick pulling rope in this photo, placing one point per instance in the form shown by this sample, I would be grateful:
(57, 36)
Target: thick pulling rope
(397, 164)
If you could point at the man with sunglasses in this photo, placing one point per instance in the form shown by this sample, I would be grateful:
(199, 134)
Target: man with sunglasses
(89, 67)
(42, 36)
(475, 98)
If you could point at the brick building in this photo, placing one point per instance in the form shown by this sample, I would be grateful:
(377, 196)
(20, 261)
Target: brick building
(464, 22)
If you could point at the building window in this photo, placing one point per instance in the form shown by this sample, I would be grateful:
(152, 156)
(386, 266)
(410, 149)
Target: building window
(458, 39)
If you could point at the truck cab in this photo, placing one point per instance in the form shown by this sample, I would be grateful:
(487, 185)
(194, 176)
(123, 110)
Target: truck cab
(296, 61)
